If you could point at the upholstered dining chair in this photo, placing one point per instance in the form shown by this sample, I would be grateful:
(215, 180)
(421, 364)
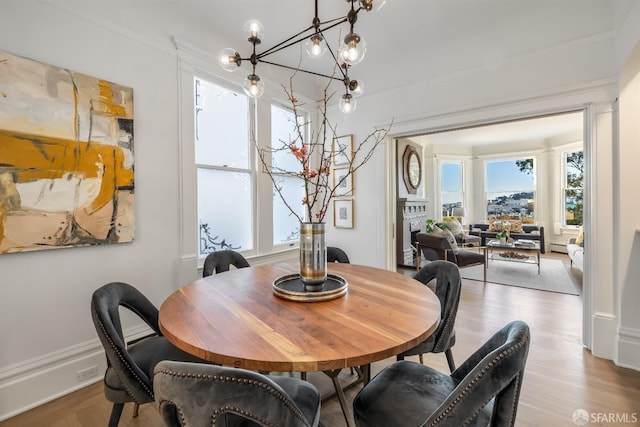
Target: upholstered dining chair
(335, 254)
(195, 394)
(483, 391)
(448, 284)
(219, 261)
(129, 374)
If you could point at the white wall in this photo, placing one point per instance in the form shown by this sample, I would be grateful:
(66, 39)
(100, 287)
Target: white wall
(626, 233)
(47, 334)
(46, 331)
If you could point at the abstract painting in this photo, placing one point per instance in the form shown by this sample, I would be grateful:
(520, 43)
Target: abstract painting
(66, 158)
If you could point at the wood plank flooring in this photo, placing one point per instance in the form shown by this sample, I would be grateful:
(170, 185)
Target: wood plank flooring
(561, 376)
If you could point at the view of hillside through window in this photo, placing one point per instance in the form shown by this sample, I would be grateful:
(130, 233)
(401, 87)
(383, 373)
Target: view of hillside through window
(510, 186)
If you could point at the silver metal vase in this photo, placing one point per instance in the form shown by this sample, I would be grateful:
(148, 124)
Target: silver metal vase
(313, 256)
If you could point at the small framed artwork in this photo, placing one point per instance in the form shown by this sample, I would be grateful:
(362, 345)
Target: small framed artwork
(342, 149)
(343, 182)
(343, 213)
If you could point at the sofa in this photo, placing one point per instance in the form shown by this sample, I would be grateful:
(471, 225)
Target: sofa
(576, 253)
(529, 232)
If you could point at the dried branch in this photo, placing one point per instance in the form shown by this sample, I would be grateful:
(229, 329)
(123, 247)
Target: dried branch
(317, 180)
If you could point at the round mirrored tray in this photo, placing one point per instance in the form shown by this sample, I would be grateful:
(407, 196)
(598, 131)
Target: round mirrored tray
(291, 287)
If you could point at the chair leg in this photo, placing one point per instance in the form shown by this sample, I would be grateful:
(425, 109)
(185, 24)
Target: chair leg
(115, 414)
(452, 364)
(421, 359)
(136, 407)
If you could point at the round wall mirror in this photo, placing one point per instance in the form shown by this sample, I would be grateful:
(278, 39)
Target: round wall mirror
(412, 170)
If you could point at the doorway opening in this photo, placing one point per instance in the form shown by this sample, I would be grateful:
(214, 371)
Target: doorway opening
(545, 139)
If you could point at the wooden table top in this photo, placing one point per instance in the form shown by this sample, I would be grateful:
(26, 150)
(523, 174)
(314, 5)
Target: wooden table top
(234, 319)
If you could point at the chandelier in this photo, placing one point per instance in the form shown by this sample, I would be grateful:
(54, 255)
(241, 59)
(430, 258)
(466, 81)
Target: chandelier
(350, 52)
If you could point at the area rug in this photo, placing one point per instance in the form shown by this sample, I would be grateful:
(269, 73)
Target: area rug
(553, 275)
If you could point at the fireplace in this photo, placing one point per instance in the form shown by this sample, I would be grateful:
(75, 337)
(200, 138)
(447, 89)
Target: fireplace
(411, 219)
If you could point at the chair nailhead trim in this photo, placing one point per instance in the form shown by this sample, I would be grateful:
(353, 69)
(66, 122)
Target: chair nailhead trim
(284, 399)
(179, 409)
(126, 364)
(506, 353)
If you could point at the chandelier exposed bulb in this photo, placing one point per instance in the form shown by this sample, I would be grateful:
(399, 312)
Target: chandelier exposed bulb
(229, 59)
(315, 46)
(253, 86)
(254, 30)
(356, 88)
(347, 103)
(353, 49)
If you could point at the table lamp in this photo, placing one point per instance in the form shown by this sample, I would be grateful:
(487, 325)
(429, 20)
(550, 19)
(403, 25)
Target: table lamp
(459, 213)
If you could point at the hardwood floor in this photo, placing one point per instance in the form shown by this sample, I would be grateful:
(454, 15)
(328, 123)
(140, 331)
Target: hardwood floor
(561, 376)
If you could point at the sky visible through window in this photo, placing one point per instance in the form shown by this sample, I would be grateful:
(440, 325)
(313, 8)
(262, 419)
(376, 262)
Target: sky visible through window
(505, 177)
(451, 179)
(502, 177)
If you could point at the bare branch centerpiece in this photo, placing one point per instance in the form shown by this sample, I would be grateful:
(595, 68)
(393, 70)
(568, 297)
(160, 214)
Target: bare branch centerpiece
(314, 152)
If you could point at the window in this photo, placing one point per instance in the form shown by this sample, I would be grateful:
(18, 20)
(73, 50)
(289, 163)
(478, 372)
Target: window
(573, 187)
(286, 227)
(224, 177)
(451, 193)
(510, 186)
(238, 207)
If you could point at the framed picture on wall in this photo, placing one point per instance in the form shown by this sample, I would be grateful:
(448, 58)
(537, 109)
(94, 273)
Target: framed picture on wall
(342, 149)
(343, 182)
(66, 158)
(343, 213)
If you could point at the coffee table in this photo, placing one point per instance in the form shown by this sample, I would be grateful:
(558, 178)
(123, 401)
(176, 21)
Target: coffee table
(527, 253)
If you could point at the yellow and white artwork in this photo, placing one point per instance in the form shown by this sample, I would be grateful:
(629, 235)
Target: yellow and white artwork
(66, 158)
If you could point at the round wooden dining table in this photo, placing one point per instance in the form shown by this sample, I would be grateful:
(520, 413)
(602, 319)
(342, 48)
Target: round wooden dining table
(234, 319)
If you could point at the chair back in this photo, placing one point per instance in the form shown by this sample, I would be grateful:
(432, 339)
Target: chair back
(219, 261)
(106, 318)
(448, 285)
(435, 247)
(193, 394)
(335, 254)
(494, 371)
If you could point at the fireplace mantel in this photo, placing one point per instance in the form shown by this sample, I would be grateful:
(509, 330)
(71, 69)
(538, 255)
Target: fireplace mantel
(411, 217)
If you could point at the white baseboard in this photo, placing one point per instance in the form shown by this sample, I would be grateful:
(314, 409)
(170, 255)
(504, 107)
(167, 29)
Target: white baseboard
(604, 335)
(558, 247)
(29, 384)
(629, 348)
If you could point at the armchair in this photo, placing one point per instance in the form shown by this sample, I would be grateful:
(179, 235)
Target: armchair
(462, 238)
(434, 246)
